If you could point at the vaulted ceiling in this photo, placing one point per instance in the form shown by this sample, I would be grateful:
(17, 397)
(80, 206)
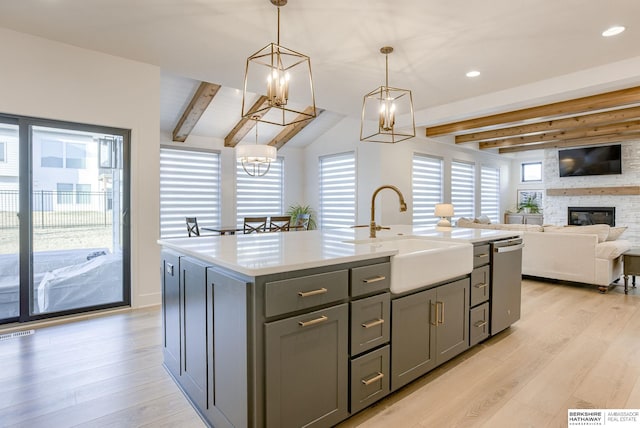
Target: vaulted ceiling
(435, 42)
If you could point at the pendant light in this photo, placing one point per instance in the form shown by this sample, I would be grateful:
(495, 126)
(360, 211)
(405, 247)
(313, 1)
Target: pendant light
(256, 158)
(278, 72)
(387, 112)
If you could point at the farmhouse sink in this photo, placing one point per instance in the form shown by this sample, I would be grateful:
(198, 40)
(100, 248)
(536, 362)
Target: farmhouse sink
(420, 262)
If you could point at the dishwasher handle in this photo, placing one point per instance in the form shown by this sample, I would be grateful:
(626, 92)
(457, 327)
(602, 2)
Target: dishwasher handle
(509, 248)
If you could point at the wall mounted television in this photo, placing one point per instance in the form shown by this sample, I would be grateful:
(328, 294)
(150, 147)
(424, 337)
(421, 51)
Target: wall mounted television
(600, 160)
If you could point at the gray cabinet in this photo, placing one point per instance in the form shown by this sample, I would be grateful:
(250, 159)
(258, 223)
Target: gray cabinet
(194, 333)
(194, 323)
(480, 293)
(171, 316)
(428, 328)
(521, 218)
(412, 337)
(369, 378)
(306, 367)
(452, 320)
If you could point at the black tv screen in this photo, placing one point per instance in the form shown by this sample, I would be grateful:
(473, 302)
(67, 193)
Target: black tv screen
(600, 160)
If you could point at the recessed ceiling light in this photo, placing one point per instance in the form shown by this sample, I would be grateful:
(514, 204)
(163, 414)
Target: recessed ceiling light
(473, 73)
(613, 31)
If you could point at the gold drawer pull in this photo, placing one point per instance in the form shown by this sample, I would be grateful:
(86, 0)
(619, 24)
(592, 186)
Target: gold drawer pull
(481, 285)
(480, 324)
(483, 255)
(373, 323)
(373, 379)
(312, 292)
(376, 278)
(313, 322)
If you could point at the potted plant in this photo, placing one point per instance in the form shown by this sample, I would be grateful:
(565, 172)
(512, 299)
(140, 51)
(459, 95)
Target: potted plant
(530, 205)
(295, 210)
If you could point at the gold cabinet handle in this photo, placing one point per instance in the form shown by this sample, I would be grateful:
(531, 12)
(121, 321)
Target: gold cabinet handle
(483, 255)
(441, 317)
(376, 378)
(434, 314)
(480, 324)
(312, 292)
(481, 285)
(376, 278)
(312, 322)
(373, 323)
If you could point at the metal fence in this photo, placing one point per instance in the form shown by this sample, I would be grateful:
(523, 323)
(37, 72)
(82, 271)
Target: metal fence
(51, 208)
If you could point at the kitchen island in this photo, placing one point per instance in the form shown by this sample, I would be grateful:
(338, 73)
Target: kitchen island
(308, 328)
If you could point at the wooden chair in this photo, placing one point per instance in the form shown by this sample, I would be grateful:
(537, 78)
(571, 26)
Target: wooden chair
(279, 223)
(192, 226)
(302, 222)
(255, 224)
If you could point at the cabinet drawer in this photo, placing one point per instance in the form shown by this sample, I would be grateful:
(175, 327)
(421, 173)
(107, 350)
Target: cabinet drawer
(479, 324)
(305, 292)
(369, 279)
(370, 322)
(369, 378)
(481, 255)
(480, 285)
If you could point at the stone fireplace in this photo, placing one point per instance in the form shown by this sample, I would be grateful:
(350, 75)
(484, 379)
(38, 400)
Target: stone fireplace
(582, 216)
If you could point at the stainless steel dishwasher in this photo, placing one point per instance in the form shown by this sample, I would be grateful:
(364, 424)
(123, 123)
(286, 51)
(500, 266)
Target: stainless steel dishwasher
(506, 279)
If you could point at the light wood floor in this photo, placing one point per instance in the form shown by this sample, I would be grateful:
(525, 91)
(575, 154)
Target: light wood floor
(573, 348)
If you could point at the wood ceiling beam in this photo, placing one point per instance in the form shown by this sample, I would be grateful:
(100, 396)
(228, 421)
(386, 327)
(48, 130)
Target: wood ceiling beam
(199, 103)
(293, 129)
(572, 134)
(590, 141)
(245, 124)
(552, 125)
(562, 108)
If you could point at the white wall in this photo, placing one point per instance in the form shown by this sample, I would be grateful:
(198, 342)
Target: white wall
(380, 164)
(46, 79)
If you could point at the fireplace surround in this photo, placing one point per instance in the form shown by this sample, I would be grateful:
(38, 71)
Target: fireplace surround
(582, 216)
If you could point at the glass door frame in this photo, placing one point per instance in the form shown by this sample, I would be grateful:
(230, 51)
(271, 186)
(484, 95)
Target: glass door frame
(25, 180)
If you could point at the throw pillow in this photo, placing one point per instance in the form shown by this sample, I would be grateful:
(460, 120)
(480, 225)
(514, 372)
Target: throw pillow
(483, 219)
(463, 221)
(615, 232)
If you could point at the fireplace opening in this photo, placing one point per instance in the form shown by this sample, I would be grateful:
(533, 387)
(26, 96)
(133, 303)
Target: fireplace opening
(582, 216)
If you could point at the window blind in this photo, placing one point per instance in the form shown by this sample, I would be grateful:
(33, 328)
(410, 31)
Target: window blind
(426, 183)
(189, 187)
(338, 190)
(462, 189)
(490, 193)
(259, 196)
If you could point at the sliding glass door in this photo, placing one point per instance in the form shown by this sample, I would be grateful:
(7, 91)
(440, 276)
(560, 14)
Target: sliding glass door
(73, 237)
(9, 221)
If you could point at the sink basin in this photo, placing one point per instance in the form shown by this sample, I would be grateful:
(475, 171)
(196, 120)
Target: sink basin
(420, 262)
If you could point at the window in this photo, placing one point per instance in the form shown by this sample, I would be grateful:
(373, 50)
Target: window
(338, 190)
(189, 187)
(64, 193)
(3, 151)
(462, 189)
(259, 196)
(490, 193)
(426, 179)
(76, 156)
(531, 171)
(51, 154)
(83, 194)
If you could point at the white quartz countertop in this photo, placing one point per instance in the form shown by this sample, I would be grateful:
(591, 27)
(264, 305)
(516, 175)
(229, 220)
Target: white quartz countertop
(267, 253)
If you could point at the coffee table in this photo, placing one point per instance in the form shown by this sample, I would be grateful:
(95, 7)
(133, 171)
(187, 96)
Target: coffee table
(631, 266)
